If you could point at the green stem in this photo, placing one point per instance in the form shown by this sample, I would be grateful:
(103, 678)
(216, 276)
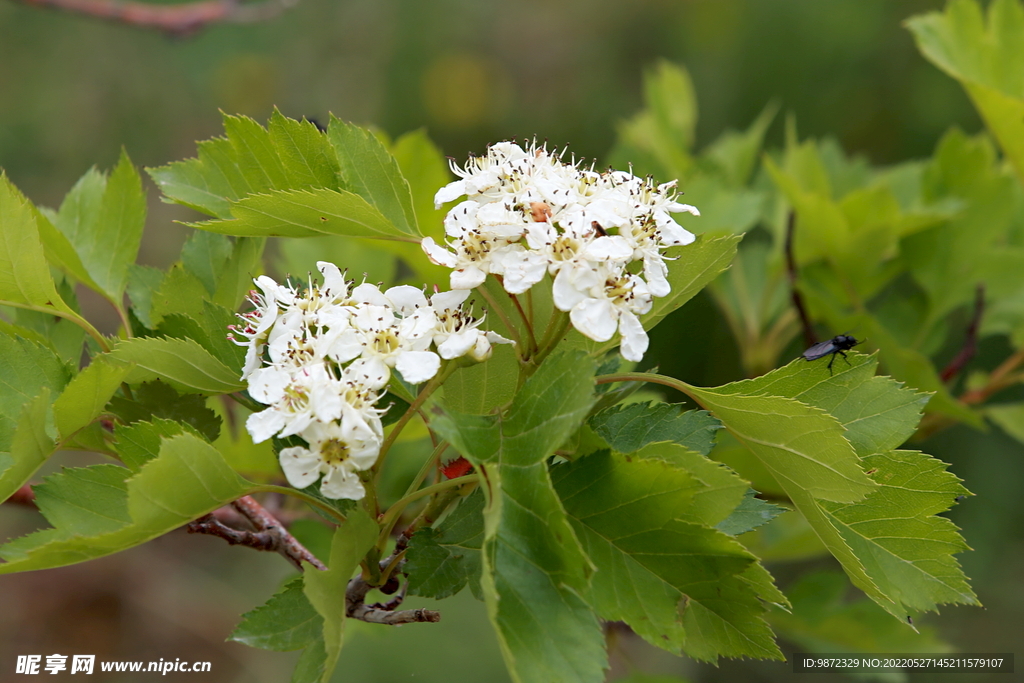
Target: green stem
(650, 377)
(387, 523)
(427, 466)
(67, 315)
(498, 311)
(271, 488)
(526, 320)
(556, 330)
(421, 398)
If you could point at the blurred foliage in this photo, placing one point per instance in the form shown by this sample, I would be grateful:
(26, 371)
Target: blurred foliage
(889, 250)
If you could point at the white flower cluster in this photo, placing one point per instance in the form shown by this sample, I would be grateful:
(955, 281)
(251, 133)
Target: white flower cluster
(322, 358)
(527, 213)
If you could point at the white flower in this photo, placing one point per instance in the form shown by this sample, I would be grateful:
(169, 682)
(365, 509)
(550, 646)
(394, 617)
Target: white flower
(457, 333)
(607, 301)
(295, 398)
(258, 322)
(335, 452)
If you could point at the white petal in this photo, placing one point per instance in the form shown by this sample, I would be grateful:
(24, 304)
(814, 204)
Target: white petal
(334, 281)
(438, 255)
(449, 192)
(418, 366)
(326, 402)
(264, 424)
(482, 350)
(673, 234)
(449, 300)
(521, 269)
(347, 346)
(418, 325)
(267, 384)
(458, 344)
(609, 248)
(370, 294)
(467, 278)
(406, 298)
(676, 207)
(595, 318)
(656, 272)
(298, 422)
(565, 292)
(634, 338)
(371, 371)
(341, 483)
(301, 466)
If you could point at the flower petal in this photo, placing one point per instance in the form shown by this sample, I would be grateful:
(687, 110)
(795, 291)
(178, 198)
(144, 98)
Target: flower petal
(418, 366)
(634, 337)
(301, 466)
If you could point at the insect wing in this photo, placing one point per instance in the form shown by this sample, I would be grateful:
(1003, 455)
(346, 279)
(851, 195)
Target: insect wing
(820, 350)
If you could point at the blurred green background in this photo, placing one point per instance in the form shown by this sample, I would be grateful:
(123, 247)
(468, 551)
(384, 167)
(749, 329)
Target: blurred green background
(73, 91)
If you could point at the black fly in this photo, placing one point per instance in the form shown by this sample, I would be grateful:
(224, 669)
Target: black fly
(836, 345)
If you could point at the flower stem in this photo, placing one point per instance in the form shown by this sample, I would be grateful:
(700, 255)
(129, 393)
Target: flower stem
(73, 317)
(421, 398)
(513, 331)
(387, 523)
(526, 320)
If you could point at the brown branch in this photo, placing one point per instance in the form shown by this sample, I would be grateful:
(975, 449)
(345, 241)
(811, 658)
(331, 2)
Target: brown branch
(798, 299)
(970, 346)
(176, 20)
(269, 534)
(355, 599)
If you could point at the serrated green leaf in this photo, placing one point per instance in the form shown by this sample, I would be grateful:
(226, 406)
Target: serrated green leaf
(103, 219)
(30, 445)
(250, 160)
(139, 442)
(426, 170)
(369, 170)
(59, 250)
(479, 388)
(209, 328)
(312, 663)
(720, 489)
(143, 283)
(905, 548)
(299, 257)
(326, 589)
(879, 414)
(305, 213)
(629, 428)
(675, 583)
(236, 278)
(180, 292)
(26, 368)
(159, 400)
(204, 255)
(87, 394)
(802, 446)
(533, 566)
(187, 480)
(440, 562)
(985, 57)
(286, 622)
(182, 363)
(85, 501)
(24, 274)
(749, 514)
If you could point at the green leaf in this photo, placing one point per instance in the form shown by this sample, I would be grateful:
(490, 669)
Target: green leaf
(143, 283)
(187, 480)
(180, 292)
(24, 274)
(879, 414)
(630, 427)
(159, 400)
(286, 622)
(103, 219)
(533, 566)
(802, 446)
(204, 255)
(30, 445)
(209, 328)
(235, 279)
(85, 501)
(250, 160)
(87, 394)
(26, 368)
(369, 170)
(985, 57)
(304, 213)
(479, 388)
(299, 257)
(326, 589)
(749, 514)
(182, 363)
(425, 168)
(441, 561)
(139, 442)
(675, 583)
(907, 550)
